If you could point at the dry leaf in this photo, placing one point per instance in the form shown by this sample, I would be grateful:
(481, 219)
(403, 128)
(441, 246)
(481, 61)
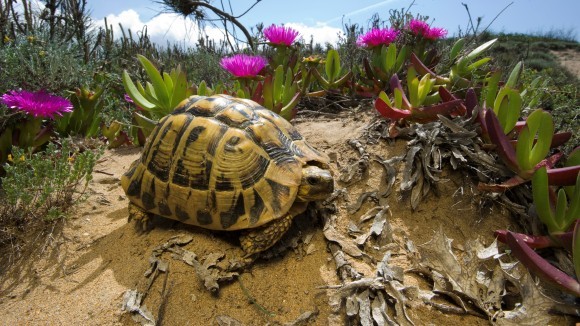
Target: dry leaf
(348, 246)
(223, 320)
(476, 289)
(364, 308)
(132, 304)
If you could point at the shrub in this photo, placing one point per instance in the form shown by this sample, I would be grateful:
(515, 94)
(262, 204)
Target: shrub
(44, 185)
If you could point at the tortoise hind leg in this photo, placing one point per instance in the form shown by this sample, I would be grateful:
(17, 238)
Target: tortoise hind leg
(141, 217)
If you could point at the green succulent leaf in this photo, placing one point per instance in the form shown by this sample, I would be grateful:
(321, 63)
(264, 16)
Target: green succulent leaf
(268, 92)
(424, 88)
(540, 194)
(289, 87)
(323, 82)
(398, 98)
(161, 92)
(456, 49)
(414, 92)
(332, 65)
(403, 52)
(343, 80)
(491, 88)
(278, 84)
(390, 56)
(573, 212)
(287, 111)
(507, 107)
(574, 158)
(134, 93)
(466, 60)
(180, 87)
(480, 49)
(561, 205)
(150, 94)
(514, 75)
(523, 148)
(540, 123)
(478, 64)
(145, 123)
(202, 89)
(383, 96)
(168, 84)
(576, 250)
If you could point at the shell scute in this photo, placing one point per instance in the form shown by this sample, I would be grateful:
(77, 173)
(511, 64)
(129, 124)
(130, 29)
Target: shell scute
(221, 163)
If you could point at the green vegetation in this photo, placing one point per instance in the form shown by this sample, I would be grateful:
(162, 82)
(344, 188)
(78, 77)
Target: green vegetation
(511, 86)
(43, 186)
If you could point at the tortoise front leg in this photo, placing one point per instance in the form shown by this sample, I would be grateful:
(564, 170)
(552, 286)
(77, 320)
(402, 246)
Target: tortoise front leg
(257, 240)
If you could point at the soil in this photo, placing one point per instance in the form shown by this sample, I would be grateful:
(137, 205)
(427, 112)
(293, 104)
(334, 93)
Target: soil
(570, 59)
(81, 275)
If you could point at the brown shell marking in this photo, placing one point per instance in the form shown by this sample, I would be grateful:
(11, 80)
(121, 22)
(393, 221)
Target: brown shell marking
(221, 163)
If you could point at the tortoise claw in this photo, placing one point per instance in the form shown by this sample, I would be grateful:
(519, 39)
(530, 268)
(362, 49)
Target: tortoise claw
(142, 219)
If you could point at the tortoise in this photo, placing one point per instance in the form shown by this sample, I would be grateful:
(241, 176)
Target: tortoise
(226, 163)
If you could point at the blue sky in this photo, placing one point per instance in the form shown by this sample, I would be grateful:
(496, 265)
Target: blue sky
(322, 18)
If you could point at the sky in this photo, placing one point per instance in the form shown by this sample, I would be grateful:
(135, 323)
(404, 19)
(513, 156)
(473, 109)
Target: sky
(323, 19)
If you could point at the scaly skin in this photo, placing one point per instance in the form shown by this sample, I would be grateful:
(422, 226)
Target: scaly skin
(142, 218)
(260, 239)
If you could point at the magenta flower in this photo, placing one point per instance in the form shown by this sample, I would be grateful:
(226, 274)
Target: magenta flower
(128, 98)
(418, 27)
(280, 35)
(421, 28)
(37, 104)
(377, 37)
(244, 66)
(435, 33)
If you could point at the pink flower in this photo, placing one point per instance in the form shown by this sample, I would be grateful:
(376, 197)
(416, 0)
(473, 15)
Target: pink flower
(280, 35)
(421, 28)
(377, 37)
(37, 104)
(435, 33)
(128, 98)
(241, 65)
(418, 27)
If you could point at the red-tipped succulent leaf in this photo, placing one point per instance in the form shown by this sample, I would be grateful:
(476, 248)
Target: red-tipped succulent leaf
(504, 149)
(539, 266)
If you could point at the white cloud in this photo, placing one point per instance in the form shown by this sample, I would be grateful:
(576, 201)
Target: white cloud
(36, 7)
(161, 29)
(321, 33)
(173, 28)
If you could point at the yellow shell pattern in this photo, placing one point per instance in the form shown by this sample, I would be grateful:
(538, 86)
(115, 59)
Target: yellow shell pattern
(222, 163)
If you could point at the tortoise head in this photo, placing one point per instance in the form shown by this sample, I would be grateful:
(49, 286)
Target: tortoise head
(316, 184)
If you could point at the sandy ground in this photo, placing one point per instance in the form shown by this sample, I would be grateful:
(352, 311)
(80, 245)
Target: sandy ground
(570, 59)
(80, 278)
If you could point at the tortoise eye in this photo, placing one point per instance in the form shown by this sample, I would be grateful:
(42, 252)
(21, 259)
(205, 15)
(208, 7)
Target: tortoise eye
(312, 180)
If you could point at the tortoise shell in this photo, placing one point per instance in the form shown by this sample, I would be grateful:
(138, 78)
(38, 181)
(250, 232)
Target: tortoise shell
(222, 163)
